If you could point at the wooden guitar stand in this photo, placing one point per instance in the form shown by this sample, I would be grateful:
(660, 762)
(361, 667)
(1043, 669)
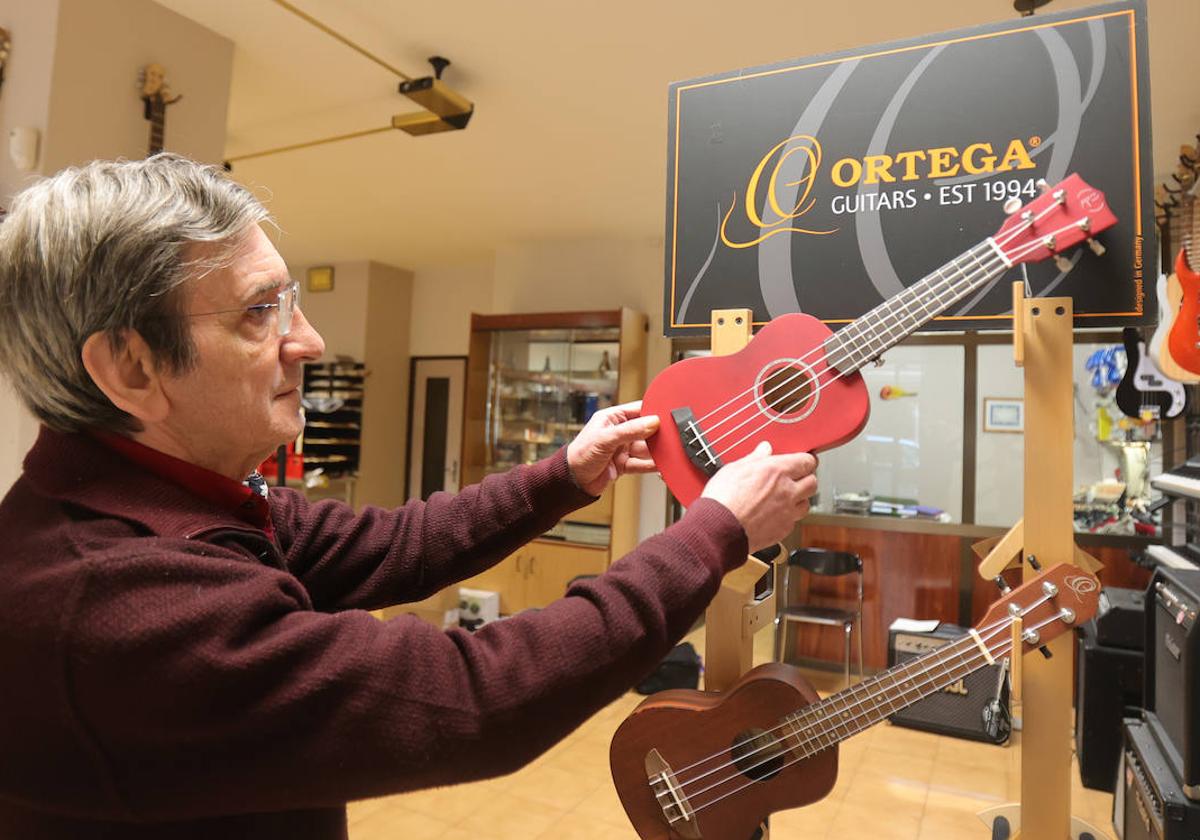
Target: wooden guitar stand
(735, 614)
(1042, 345)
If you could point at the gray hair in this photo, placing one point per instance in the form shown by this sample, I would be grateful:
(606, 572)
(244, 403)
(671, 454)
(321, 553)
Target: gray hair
(103, 248)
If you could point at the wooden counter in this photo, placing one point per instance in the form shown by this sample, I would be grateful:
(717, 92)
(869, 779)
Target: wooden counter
(922, 570)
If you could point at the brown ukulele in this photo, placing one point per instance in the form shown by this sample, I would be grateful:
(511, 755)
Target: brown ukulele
(712, 766)
(156, 96)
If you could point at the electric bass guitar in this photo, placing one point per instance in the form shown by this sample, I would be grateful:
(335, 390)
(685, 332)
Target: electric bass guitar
(696, 765)
(796, 384)
(1143, 388)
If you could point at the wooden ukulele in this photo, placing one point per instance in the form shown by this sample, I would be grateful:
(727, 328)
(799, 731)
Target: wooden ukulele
(696, 765)
(156, 96)
(796, 384)
(1143, 389)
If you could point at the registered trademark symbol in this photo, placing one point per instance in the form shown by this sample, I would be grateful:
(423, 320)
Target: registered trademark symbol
(1035, 141)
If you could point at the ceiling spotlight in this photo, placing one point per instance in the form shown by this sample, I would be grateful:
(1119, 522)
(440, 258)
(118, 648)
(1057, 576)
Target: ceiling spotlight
(447, 110)
(1026, 7)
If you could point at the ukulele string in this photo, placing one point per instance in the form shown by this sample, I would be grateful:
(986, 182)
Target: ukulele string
(816, 710)
(1001, 242)
(819, 385)
(823, 709)
(1004, 647)
(886, 306)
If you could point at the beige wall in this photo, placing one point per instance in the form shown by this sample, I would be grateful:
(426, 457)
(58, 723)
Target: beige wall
(339, 314)
(73, 76)
(385, 403)
(443, 300)
(24, 101)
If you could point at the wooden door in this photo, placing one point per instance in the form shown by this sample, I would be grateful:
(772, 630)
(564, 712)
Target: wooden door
(436, 396)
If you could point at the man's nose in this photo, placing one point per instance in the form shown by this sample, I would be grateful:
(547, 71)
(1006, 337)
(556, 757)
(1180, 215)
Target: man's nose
(303, 342)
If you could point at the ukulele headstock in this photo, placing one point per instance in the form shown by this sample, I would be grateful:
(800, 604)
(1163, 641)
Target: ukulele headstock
(1063, 216)
(1058, 599)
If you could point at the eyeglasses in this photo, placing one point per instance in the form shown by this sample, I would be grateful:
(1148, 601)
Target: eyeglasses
(289, 299)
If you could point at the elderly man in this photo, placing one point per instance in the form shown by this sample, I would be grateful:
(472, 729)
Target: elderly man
(184, 656)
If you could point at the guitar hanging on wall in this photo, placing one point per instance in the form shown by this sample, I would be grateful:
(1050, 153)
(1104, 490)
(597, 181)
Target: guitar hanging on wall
(156, 96)
(796, 384)
(1180, 347)
(697, 765)
(1143, 389)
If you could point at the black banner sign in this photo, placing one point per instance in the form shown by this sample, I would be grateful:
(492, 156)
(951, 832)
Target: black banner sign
(829, 184)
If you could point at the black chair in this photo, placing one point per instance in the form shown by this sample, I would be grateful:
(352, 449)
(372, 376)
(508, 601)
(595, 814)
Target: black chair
(825, 563)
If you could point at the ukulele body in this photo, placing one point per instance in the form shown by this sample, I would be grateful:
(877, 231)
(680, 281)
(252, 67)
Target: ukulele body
(1184, 336)
(778, 388)
(688, 726)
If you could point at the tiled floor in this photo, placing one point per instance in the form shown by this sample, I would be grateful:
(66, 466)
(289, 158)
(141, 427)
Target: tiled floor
(893, 784)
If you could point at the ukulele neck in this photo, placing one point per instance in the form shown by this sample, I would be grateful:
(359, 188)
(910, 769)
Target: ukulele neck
(869, 336)
(855, 709)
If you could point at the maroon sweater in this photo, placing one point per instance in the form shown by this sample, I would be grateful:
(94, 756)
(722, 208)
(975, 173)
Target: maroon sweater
(171, 672)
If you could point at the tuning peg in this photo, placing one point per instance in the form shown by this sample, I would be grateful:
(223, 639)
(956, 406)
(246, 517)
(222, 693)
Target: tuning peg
(1045, 651)
(1012, 205)
(1064, 264)
(1043, 185)
(1002, 584)
(1033, 561)
(1097, 247)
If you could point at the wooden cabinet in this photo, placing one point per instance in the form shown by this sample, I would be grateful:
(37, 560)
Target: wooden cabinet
(539, 573)
(533, 381)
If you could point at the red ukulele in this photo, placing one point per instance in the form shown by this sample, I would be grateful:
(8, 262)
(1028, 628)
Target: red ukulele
(707, 766)
(796, 384)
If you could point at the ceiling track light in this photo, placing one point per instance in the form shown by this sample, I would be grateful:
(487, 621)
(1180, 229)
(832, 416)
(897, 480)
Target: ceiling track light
(444, 108)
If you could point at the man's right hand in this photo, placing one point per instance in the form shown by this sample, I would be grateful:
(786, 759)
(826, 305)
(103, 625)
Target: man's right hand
(767, 493)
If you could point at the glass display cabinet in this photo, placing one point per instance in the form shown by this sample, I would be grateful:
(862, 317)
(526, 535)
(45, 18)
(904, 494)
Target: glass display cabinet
(533, 381)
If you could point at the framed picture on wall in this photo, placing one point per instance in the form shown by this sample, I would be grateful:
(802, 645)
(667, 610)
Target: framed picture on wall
(1003, 414)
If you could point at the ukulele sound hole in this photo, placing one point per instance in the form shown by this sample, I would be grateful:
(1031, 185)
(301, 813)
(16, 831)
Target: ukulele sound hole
(787, 390)
(757, 754)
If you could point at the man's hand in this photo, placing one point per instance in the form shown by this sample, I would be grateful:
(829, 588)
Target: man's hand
(767, 493)
(611, 444)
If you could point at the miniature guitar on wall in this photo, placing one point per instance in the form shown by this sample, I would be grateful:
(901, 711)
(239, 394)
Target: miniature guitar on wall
(796, 384)
(697, 765)
(1143, 389)
(156, 96)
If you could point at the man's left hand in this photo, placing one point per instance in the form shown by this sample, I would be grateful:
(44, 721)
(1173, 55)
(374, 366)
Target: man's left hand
(612, 444)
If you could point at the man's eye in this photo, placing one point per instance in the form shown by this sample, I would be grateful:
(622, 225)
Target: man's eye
(258, 314)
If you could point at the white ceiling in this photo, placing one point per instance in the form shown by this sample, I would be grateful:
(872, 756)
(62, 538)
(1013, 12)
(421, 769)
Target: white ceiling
(569, 134)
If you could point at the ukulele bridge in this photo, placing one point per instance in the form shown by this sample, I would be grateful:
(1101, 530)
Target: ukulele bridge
(698, 450)
(667, 793)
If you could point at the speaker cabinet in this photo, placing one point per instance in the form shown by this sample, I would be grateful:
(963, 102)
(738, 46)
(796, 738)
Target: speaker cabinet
(959, 709)
(1148, 803)
(1108, 680)
(1173, 671)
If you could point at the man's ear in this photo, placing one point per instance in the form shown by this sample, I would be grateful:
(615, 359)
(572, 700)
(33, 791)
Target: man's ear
(128, 376)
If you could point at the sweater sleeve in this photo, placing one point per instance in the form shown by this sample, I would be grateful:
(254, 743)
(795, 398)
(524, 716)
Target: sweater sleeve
(382, 557)
(202, 685)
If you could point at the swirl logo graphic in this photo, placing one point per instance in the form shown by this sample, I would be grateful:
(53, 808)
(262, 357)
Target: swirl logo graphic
(1091, 200)
(1081, 585)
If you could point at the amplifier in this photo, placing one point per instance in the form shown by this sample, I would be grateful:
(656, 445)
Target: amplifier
(1107, 680)
(959, 709)
(1121, 618)
(1148, 803)
(1173, 670)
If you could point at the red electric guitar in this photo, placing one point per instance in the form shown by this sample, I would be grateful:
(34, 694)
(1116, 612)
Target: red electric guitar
(706, 766)
(796, 384)
(1183, 335)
